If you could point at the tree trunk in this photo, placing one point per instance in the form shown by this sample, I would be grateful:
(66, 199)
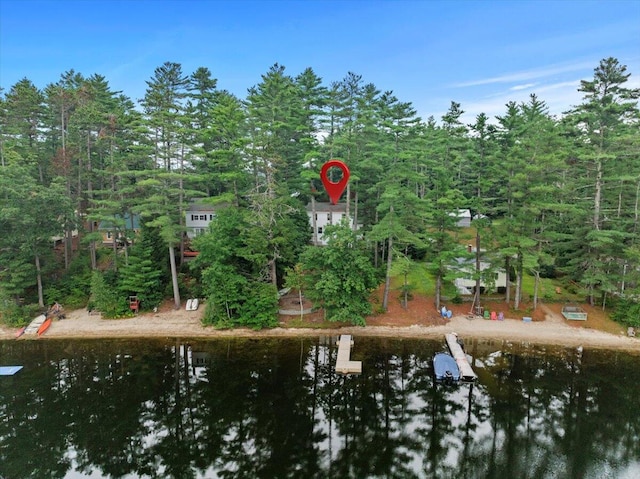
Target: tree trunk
(67, 242)
(314, 222)
(438, 288)
(376, 249)
(92, 245)
(387, 281)
(476, 297)
(507, 265)
(406, 292)
(348, 197)
(39, 281)
(114, 247)
(535, 289)
(174, 278)
(301, 305)
(518, 294)
(181, 205)
(355, 213)
(598, 196)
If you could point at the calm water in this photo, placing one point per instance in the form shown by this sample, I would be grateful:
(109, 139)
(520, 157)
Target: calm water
(274, 409)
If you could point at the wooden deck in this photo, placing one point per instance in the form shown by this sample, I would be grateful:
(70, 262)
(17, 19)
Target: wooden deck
(344, 365)
(466, 372)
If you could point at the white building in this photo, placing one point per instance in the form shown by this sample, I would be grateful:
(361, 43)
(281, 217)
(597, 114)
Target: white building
(199, 215)
(466, 284)
(325, 214)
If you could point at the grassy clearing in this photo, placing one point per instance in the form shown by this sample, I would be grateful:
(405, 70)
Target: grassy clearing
(418, 278)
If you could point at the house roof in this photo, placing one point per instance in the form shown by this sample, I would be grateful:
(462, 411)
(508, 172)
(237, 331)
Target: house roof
(461, 213)
(126, 219)
(471, 263)
(322, 207)
(200, 206)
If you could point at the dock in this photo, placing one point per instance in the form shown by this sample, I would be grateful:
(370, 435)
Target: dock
(344, 364)
(466, 372)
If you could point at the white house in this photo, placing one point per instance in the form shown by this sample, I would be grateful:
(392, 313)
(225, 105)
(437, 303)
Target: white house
(199, 215)
(465, 283)
(325, 214)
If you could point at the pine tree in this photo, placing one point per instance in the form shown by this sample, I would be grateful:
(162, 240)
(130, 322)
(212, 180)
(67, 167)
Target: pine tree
(163, 206)
(604, 122)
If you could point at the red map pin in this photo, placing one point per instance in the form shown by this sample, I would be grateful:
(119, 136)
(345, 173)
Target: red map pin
(334, 189)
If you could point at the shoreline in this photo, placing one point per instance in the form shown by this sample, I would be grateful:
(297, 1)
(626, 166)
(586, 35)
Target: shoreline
(555, 331)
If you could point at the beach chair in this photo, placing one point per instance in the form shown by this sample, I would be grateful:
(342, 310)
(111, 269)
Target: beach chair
(500, 316)
(486, 314)
(494, 316)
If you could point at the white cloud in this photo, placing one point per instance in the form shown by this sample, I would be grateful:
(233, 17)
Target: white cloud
(522, 87)
(527, 75)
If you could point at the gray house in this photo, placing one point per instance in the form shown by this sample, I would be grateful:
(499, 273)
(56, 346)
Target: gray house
(464, 217)
(198, 217)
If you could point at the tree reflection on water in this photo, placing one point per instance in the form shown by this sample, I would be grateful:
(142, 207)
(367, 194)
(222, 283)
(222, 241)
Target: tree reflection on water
(274, 408)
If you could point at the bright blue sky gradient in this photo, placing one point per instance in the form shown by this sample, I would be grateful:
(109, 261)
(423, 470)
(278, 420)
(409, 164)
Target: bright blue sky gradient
(478, 53)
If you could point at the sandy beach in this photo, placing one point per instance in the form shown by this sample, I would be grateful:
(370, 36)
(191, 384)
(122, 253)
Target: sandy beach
(554, 330)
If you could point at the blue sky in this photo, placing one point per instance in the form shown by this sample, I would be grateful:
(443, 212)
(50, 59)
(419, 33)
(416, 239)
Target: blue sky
(478, 53)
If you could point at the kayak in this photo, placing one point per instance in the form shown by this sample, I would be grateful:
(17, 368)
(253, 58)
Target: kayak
(44, 327)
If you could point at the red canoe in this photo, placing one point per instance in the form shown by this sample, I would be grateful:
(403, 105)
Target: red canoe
(20, 331)
(44, 327)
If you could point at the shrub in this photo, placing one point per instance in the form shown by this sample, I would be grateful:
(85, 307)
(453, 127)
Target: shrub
(106, 296)
(627, 312)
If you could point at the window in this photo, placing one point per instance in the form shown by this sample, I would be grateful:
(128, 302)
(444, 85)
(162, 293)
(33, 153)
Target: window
(194, 217)
(210, 217)
(320, 230)
(203, 217)
(109, 235)
(329, 218)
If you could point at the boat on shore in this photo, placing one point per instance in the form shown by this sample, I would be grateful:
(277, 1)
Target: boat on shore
(43, 328)
(445, 368)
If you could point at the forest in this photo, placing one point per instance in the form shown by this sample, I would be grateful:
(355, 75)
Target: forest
(551, 196)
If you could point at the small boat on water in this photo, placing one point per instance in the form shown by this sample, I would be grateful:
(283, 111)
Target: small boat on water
(44, 327)
(445, 368)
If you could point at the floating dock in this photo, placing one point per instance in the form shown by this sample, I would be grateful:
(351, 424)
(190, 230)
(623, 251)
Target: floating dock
(344, 364)
(466, 372)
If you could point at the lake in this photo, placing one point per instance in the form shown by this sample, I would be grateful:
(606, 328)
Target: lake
(274, 408)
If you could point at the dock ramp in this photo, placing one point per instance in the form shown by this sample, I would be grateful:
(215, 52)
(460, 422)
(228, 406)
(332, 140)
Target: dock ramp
(466, 372)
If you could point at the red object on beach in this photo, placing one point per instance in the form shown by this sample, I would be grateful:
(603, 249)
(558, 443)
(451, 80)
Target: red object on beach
(44, 327)
(334, 189)
(20, 331)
